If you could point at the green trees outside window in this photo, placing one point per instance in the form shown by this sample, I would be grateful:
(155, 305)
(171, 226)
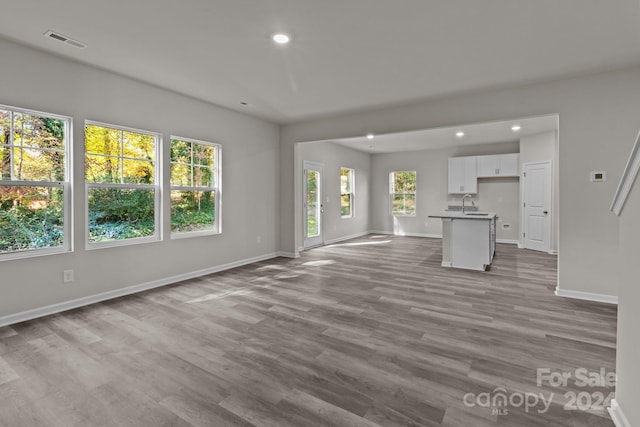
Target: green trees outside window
(195, 177)
(33, 182)
(313, 204)
(346, 192)
(403, 193)
(122, 193)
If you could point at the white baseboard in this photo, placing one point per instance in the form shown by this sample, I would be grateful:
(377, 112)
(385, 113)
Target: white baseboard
(553, 252)
(92, 299)
(615, 411)
(342, 239)
(609, 299)
(508, 241)
(379, 232)
(288, 254)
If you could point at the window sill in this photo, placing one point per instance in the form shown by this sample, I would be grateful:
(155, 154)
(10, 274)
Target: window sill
(190, 234)
(119, 243)
(32, 253)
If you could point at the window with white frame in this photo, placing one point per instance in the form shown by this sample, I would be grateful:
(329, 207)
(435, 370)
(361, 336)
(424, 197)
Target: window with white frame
(195, 187)
(402, 189)
(122, 185)
(346, 192)
(35, 199)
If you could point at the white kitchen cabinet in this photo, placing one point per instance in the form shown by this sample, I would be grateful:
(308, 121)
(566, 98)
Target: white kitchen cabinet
(498, 165)
(463, 175)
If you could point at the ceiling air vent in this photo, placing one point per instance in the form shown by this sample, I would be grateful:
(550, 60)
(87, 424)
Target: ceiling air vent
(64, 39)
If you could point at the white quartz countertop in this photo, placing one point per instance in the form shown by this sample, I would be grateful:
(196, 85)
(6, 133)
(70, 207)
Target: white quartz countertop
(468, 215)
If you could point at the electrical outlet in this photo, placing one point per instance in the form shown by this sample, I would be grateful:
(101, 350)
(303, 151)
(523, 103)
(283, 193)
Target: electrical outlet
(259, 239)
(67, 276)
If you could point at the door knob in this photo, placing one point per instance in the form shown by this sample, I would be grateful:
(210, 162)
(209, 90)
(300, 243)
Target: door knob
(545, 212)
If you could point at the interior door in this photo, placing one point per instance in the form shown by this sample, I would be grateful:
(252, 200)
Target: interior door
(313, 209)
(537, 206)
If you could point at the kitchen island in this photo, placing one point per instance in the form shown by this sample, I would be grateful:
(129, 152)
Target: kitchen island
(468, 239)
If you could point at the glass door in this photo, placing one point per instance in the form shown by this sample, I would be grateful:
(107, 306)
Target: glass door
(312, 208)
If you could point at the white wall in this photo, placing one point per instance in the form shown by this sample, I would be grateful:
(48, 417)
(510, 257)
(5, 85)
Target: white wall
(333, 157)
(502, 196)
(35, 80)
(598, 121)
(628, 345)
(495, 195)
(542, 147)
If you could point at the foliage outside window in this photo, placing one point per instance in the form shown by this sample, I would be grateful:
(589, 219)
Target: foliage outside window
(402, 186)
(34, 183)
(346, 192)
(123, 196)
(313, 203)
(195, 187)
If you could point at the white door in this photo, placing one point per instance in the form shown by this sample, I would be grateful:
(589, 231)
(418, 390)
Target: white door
(537, 206)
(312, 204)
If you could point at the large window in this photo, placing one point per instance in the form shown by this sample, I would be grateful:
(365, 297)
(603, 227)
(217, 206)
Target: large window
(346, 192)
(402, 189)
(35, 200)
(195, 187)
(123, 197)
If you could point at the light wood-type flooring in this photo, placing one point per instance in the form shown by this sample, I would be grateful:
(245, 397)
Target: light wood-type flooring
(369, 332)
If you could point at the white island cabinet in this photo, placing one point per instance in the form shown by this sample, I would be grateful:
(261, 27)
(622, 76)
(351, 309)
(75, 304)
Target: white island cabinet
(468, 240)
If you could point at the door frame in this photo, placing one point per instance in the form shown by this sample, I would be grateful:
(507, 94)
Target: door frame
(318, 240)
(549, 201)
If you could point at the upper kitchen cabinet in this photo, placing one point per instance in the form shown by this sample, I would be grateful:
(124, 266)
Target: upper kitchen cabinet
(463, 175)
(498, 165)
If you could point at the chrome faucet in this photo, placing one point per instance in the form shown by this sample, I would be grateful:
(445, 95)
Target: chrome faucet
(464, 197)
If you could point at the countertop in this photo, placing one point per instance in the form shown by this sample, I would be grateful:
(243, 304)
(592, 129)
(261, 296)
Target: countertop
(460, 215)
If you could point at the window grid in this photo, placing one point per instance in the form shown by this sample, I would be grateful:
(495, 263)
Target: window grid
(34, 217)
(123, 228)
(188, 215)
(402, 189)
(347, 192)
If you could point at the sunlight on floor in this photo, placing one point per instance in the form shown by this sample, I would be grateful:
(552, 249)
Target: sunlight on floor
(319, 263)
(379, 242)
(272, 267)
(220, 295)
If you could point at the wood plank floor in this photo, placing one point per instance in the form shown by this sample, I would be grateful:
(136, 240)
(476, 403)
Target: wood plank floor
(370, 332)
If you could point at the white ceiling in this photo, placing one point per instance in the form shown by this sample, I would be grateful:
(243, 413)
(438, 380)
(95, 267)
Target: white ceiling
(428, 139)
(346, 55)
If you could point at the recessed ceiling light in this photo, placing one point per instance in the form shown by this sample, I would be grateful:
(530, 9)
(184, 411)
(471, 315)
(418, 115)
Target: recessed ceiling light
(281, 38)
(459, 134)
(516, 128)
(370, 136)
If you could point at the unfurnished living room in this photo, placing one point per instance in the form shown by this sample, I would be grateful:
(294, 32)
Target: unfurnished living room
(319, 213)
